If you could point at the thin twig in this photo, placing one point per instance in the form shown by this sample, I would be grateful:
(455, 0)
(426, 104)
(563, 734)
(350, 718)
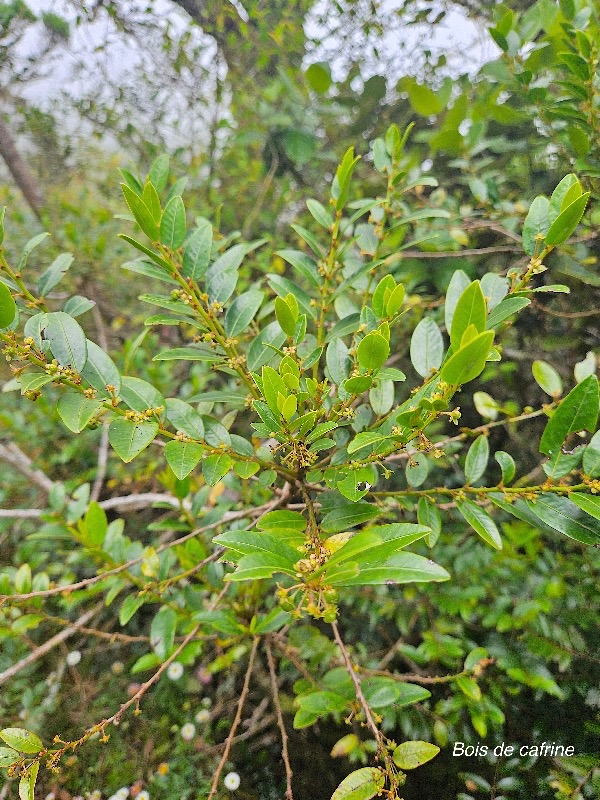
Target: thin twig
(284, 737)
(350, 669)
(102, 464)
(49, 645)
(13, 455)
(236, 721)
(122, 567)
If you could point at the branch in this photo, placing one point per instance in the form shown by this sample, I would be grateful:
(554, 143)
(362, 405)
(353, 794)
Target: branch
(102, 464)
(20, 172)
(13, 455)
(236, 721)
(284, 737)
(49, 645)
(350, 669)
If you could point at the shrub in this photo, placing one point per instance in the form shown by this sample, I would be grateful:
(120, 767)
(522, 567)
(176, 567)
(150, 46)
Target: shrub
(303, 477)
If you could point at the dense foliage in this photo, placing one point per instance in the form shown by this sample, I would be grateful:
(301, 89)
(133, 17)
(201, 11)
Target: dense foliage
(352, 511)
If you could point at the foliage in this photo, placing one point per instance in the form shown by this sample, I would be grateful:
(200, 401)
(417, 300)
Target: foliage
(289, 524)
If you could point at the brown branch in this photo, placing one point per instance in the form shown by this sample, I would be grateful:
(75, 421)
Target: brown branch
(236, 721)
(20, 172)
(14, 456)
(102, 464)
(351, 670)
(49, 645)
(284, 737)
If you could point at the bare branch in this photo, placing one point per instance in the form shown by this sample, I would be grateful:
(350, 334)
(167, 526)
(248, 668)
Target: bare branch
(102, 464)
(49, 645)
(284, 737)
(236, 721)
(13, 455)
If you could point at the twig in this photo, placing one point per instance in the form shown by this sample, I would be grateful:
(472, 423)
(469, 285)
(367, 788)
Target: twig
(236, 721)
(70, 587)
(284, 737)
(49, 645)
(13, 454)
(102, 464)
(129, 502)
(359, 692)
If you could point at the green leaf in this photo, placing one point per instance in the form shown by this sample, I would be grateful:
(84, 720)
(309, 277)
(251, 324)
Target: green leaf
(22, 740)
(162, 632)
(54, 274)
(100, 370)
(469, 688)
(563, 188)
(96, 524)
(27, 782)
(184, 418)
(470, 310)
(348, 516)
(426, 347)
(319, 213)
(591, 457)
(318, 76)
(578, 411)
(362, 784)
(507, 465)
(77, 305)
(547, 378)
(422, 99)
(129, 438)
(8, 307)
(285, 317)
(381, 397)
(28, 249)
(141, 395)
(259, 352)
(373, 351)
(196, 254)
(340, 187)
(159, 172)
(8, 757)
(417, 471)
(477, 459)
(399, 568)
(550, 512)
(429, 516)
(272, 387)
(215, 467)
(142, 214)
(172, 224)
(76, 410)
(182, 457)
(147, 661)
(481, 522)
(505, 309)
(303, 263)
(410, 755)
(282, 287)
(566, 222)
(67, 340)
(456, 287)
(242, 311)
(589, 503)
(468, 362)
(129, 606)
(338, 361)
(536, 225)
(220, 284)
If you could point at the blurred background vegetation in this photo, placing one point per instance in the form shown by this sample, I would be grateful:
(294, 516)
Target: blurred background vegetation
(256, 100)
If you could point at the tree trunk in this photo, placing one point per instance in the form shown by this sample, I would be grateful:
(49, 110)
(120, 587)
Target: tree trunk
(20, 171)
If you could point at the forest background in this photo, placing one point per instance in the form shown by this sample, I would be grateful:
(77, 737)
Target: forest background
(257, 102)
